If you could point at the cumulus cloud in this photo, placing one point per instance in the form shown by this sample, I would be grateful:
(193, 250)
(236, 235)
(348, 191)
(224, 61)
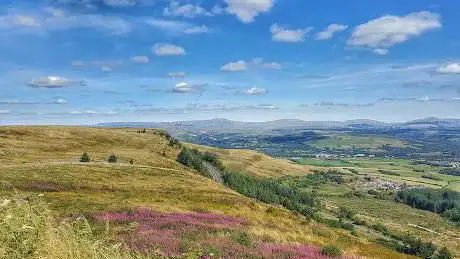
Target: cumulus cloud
(177, 27)
(184, 87)
(177, 74)
(453, 68)
(238, 66)
(52, 82)
(247, 10)
(140, 59)
(186, 10)
(282, 34)
(254, 91)
(389, 30)
(330, 31)
(60, 101)
(165, 49)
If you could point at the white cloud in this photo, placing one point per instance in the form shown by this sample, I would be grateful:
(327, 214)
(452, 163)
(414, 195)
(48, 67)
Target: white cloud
(164, 49)
(178, 27)
(255, 91)
(60, 101)
(5, 112)
(140, 59)
(52, 82)
(184, 87)
(281, 34)
(389, 30)
(453, 68)
(177, 74)
(380, 51)
(25, 21)
(247, 10)
(187, 10)
(330, 31)
(238, 66)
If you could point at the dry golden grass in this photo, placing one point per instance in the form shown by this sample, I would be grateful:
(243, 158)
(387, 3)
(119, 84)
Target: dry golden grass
(49, 155)
(256, 163)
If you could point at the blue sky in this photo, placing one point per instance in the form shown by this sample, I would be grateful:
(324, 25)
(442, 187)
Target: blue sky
(89, 61)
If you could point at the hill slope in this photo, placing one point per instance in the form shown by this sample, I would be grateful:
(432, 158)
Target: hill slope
(45, 160)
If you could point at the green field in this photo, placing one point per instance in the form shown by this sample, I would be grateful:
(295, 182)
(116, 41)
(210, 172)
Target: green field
(348, 141)
(408, 173)
(323, 162)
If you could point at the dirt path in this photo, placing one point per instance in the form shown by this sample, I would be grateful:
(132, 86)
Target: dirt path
(215, 173)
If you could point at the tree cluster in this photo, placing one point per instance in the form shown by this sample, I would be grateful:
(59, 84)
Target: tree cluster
(441, 201)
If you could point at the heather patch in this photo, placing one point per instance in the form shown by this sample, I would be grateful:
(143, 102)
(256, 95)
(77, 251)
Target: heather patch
(214, 235)
(171, 233)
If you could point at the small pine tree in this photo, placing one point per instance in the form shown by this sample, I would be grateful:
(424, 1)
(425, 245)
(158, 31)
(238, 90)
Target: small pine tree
(112, 158)
(85, 158)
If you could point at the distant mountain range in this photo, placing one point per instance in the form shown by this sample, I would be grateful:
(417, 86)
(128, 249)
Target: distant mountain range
(225, 125)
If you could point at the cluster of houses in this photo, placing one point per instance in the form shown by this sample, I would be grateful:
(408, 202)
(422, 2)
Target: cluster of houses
(335, 156)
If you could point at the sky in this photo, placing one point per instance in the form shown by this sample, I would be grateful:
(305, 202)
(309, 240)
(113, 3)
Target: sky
(91, 61)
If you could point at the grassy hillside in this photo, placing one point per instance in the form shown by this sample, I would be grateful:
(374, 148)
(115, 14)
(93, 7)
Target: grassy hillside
(132, 197)
(256, 163)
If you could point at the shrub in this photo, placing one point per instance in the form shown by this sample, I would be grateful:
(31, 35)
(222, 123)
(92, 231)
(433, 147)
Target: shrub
(373, 192)
(131, 161)
(346, 213)
(432, 177)
(331, 250)
(112, 158)
(85, 158)
(380, 227)
(450, 171)
(242, 238)
(213, 159)
(191, 158)
(444, 253)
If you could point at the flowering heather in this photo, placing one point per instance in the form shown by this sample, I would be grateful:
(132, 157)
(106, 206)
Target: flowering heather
(167, 230)
(46, 187)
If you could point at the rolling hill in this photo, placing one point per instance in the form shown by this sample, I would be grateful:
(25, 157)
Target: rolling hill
(45, 160)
